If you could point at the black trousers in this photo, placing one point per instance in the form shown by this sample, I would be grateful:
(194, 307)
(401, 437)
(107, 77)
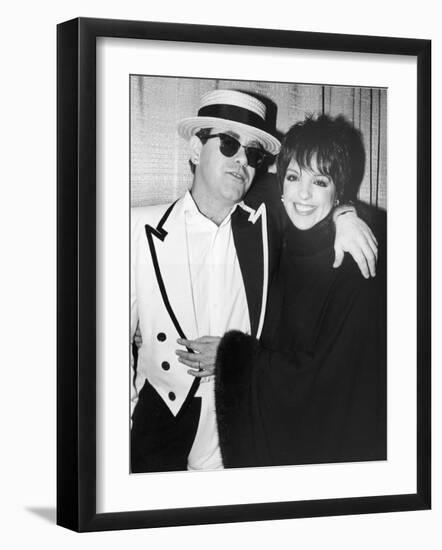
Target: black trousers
(160, 441)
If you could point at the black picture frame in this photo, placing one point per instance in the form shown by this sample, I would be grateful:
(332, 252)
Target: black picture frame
(76, 274)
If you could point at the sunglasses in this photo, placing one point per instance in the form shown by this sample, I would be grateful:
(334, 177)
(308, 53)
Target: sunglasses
(229, 146)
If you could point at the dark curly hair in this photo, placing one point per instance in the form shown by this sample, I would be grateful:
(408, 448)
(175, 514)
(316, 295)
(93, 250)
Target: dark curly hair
(335, 145)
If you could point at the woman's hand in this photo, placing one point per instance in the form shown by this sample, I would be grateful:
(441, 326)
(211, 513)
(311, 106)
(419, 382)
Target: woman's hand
(354, 236)
(202, 361)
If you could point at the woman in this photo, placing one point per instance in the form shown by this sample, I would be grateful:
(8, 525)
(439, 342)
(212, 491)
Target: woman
(314, 389)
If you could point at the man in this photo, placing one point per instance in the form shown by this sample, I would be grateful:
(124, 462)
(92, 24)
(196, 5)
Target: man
(201, 265)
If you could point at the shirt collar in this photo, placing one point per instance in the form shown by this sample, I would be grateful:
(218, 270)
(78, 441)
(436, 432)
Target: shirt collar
(193, 214)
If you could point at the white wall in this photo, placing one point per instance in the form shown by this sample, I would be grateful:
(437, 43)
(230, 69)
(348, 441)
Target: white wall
(27, 299)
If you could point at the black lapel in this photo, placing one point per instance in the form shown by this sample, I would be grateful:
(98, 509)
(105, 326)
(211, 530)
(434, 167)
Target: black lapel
(249, 248)
(161, 234)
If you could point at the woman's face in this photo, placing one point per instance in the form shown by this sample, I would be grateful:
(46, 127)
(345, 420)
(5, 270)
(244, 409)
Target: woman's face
(308, 195)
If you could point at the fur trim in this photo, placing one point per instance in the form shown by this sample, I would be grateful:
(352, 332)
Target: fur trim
(233, 371)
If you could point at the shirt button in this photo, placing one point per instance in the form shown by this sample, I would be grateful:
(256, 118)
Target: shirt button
(161, 336)
(172, 396)
(165, 365)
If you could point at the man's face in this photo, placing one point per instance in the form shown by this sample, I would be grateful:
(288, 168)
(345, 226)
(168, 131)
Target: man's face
(224, 179)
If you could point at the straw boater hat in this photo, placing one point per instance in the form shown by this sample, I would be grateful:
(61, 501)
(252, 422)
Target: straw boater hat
(236, 111)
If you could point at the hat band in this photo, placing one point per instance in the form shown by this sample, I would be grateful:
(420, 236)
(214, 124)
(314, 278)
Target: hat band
(234, 114)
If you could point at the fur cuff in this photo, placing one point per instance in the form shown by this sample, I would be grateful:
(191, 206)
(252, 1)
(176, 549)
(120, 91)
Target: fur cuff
(233, 373)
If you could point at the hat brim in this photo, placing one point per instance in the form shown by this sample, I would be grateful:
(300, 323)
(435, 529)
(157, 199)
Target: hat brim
(189, 126)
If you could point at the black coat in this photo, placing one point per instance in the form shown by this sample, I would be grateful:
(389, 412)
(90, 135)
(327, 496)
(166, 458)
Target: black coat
(314, 389)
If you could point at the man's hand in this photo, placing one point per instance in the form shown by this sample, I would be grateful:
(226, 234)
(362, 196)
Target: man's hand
(202, 361)
(137, 337)
(354, 236)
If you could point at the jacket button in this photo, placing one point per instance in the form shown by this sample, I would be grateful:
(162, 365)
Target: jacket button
(165, 365)
(161, 336)
(172, 396)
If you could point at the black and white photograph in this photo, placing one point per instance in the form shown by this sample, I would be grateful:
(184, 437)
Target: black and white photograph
(258, 330)
(220, 262)
(248, 342)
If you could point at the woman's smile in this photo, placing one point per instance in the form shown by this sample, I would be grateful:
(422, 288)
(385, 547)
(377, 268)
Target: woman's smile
(304, 209)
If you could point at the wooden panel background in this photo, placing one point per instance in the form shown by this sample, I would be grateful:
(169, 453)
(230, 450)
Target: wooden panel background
(159, 157)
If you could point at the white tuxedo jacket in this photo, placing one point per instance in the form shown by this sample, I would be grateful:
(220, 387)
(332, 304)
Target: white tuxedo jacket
(161, 297)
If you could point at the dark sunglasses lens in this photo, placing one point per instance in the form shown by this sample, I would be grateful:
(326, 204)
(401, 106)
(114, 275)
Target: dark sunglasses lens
(228, 145)
(255, 156)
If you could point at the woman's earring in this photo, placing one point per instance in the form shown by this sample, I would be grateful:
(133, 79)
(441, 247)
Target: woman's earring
(282, 198)
(195, 160)
(336, 202)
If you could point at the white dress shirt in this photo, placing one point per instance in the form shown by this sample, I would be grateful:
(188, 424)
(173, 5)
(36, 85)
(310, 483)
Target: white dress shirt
(220, 304)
